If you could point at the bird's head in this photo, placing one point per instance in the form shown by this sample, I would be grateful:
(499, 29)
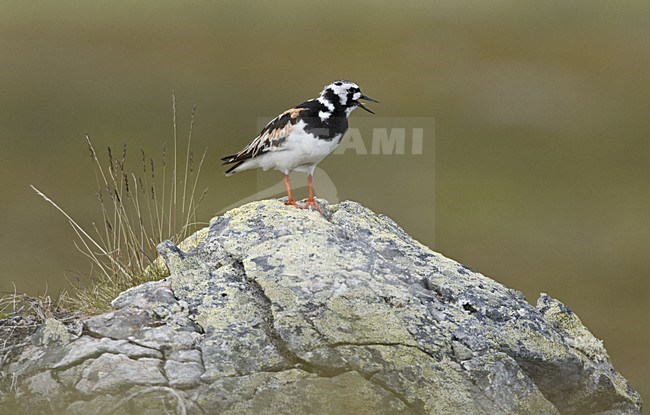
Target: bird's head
(345, 94)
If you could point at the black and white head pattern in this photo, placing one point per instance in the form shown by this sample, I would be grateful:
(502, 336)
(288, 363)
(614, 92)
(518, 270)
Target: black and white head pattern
(340, 96)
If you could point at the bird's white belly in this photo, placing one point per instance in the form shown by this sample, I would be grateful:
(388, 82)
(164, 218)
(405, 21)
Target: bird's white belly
(300, 152)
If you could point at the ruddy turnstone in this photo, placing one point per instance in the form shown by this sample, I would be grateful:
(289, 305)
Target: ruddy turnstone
(299, 138)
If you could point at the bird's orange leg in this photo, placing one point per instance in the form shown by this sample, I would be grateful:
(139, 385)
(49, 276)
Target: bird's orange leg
(311, 203)
(287, 185)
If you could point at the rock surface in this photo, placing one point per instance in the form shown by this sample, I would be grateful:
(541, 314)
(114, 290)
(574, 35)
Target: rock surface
(275, 310)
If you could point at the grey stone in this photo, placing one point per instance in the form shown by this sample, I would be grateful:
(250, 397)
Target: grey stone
(88, 347)
(183, 374)
(148, 316)
(145, 295)
(166, 337)
(297, 392)
(186, 356)
(120, 324)
(139, 400)
(43, 384)
(41, 390)
(272, 309)
(115, 372)
(97, 405)
(69, 377)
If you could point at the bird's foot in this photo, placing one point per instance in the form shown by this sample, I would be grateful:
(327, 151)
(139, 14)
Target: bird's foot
(292, 202)
(311, 204)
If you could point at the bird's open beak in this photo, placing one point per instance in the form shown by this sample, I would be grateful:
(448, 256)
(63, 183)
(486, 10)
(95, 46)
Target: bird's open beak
(367, 99)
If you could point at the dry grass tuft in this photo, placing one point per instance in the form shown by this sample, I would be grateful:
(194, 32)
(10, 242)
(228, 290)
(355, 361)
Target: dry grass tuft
(138, 211)
(21, 315)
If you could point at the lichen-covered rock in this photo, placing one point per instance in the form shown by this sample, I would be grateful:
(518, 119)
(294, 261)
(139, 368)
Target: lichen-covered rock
(52, 331)
(273, 310)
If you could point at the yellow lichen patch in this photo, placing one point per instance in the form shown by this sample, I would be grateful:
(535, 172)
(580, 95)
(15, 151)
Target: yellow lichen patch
(433, 385)
(352, 318)
(580, 337)
(194, 240)
(515, 334)
(237, 309)
(273, 208)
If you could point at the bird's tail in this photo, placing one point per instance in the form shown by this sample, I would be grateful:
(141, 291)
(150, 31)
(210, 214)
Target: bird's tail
(229, 159)
(232, 159)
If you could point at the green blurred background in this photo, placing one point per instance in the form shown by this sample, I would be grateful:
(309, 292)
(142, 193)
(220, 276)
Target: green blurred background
(542, 147)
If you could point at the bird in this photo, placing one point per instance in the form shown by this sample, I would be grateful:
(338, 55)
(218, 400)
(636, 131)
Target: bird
(301, 137)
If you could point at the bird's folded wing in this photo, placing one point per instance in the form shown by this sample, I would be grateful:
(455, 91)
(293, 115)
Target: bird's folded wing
(271, 138)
